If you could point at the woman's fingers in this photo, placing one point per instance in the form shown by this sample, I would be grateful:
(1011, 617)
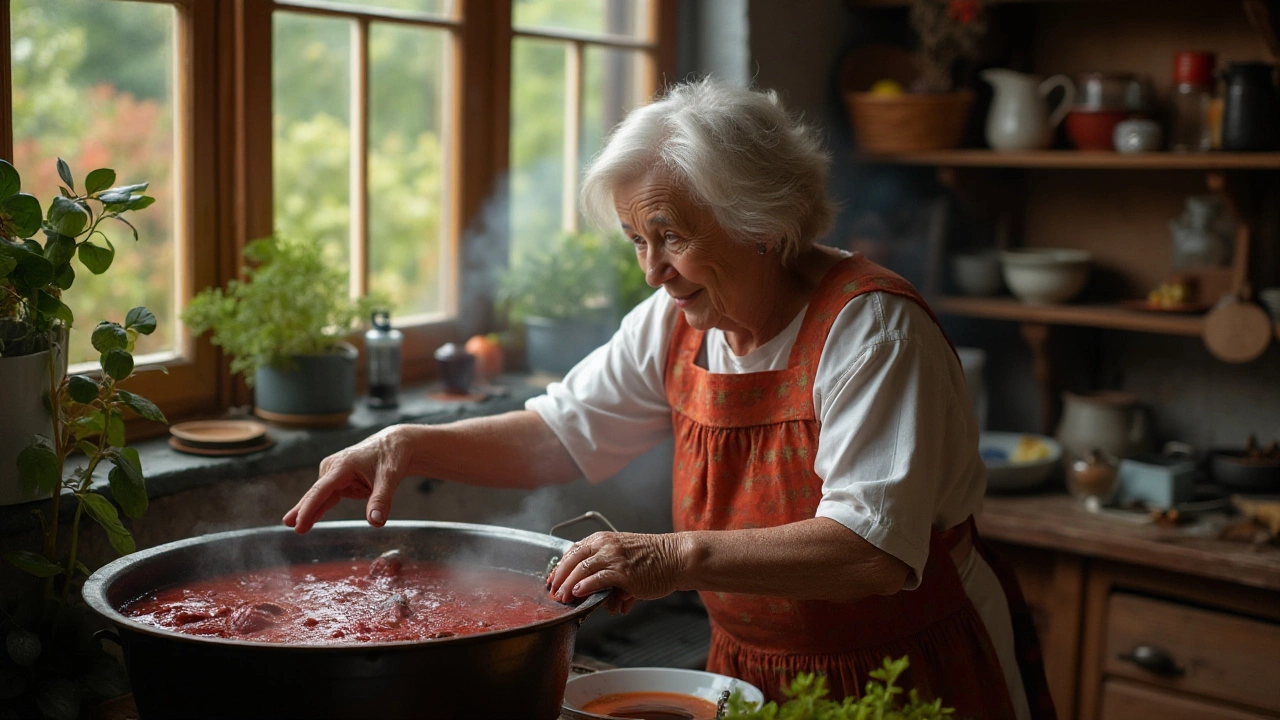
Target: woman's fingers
(378, 508)
(644, 566)
(323, 495)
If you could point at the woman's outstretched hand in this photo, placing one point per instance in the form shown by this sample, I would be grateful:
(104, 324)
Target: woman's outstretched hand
(637, 566)
(369, 469)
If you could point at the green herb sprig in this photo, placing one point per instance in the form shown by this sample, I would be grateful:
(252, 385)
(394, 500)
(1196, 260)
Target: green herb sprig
(807, 700)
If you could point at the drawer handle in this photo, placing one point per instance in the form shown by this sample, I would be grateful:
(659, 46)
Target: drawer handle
(1154, 660)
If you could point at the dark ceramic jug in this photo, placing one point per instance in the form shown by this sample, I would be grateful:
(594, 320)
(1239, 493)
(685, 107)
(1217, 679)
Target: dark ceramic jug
(1251, 108)
(457, 368)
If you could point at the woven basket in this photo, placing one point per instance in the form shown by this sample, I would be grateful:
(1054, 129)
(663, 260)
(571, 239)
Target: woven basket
(908, 123)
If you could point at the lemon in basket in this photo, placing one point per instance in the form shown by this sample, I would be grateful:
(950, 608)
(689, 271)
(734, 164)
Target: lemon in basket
(887, 88)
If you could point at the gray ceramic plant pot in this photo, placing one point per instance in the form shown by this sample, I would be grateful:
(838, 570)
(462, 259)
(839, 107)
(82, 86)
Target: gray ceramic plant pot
(320, 388)
(24, 413)
(555, 346)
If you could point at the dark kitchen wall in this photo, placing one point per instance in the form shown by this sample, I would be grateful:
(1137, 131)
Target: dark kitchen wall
(796, 48)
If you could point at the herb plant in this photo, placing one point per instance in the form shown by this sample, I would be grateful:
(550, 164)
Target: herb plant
(51, 663)
(293, 301)
(33, 277)
(578, 275)
(807, 700)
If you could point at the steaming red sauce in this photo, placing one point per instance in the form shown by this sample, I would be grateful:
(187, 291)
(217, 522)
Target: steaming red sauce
(652, 706)
(349, 602)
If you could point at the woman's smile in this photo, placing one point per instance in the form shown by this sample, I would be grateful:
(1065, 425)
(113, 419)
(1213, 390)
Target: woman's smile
(683, 301)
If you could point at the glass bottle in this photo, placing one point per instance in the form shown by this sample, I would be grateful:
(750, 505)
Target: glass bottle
(382, 351)
(1192, 96)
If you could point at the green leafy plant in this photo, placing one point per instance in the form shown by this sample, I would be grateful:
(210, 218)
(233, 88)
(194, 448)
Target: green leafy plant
(293, 301)
(51, 662)
(33, 276)
(807, 700)
(578, 275)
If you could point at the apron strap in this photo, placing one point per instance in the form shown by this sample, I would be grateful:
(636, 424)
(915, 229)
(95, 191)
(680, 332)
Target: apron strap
(1026, 641)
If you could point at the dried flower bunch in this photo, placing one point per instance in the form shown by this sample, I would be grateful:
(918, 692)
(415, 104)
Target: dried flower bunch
(949, 31)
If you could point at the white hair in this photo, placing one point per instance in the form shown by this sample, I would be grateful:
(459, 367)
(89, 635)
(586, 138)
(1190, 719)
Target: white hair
(739, 153)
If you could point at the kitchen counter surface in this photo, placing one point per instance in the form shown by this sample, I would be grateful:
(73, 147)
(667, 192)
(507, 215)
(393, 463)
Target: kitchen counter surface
(1058, 522)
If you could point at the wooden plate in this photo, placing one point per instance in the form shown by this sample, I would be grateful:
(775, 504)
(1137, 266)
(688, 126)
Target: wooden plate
(219, 433)
(264, 443)
(1149, 306)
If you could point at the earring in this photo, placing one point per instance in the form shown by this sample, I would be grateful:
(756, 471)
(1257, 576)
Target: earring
(762, 248)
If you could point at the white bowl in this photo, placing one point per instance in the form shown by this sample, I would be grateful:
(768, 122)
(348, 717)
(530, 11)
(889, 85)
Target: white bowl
(1045, 276)
(1003, 474)
(977, 272)
(582, 689)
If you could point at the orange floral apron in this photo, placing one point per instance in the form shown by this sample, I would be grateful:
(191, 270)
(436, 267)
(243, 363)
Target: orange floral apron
(744, 453)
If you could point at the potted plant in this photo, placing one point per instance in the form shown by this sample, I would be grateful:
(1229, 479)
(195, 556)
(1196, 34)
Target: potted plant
(285, 326)
(34, 275)
(909, 103)
(569, 296)
(51, 663)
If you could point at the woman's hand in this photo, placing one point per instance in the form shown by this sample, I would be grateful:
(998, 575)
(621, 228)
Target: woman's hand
(637, 566)
(370, 469)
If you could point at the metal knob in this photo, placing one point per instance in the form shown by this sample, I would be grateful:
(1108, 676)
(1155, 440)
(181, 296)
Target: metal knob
(1154, 660)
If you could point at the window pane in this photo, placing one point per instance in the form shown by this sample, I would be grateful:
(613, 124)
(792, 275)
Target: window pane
(92, 84)
(613, 85)
(409, 259)
(312, 140)
(615, 17)
(435, 7)
(537, 141)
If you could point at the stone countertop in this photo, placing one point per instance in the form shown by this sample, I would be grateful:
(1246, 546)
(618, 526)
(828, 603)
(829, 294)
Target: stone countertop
(168, 471)
(1060, 523)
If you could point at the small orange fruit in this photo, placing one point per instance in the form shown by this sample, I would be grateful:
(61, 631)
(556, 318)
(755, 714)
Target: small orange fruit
(488, 354)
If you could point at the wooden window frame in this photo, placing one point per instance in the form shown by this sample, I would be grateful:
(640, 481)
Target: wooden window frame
(223, 152)
(192, 384)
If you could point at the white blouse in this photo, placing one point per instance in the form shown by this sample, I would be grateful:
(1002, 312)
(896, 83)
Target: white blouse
(897, 446)
(898, 443)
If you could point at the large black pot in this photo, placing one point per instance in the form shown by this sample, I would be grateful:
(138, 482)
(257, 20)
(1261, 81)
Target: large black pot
(516, 673)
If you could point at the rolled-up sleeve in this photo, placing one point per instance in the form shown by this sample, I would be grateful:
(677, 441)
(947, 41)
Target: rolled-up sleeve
(887, 431)
(612, 407)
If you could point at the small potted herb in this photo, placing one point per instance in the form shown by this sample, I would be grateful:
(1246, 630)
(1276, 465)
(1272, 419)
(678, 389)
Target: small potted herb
(569, 295)
(285, 327)
(807, 700)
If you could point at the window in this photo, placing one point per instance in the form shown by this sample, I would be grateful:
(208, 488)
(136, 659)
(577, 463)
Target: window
(577, 69)
(381, 128)
(361, 144)
(114, 84)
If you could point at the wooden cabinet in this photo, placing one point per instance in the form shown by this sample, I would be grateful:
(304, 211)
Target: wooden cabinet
(1124, 700)
(1143, 622)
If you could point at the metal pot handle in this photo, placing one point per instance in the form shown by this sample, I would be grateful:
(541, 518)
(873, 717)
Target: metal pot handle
(588, 515)
(109, 635)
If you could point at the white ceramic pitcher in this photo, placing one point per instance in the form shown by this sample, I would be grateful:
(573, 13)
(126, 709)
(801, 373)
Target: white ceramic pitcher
(1019, 118)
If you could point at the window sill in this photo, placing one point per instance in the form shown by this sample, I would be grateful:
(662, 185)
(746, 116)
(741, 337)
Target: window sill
(168, 471)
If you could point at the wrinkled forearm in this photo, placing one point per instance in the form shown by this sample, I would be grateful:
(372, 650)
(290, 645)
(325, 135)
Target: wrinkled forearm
(817, 559)
(512, 450)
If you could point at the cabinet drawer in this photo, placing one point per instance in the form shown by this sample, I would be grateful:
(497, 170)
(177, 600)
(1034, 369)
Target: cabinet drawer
(1216, 654)
(1123, 700)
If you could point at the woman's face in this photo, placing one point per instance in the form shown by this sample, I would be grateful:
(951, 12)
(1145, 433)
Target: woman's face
(682, 249)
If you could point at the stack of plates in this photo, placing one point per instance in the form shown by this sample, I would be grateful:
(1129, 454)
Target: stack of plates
(219, 437)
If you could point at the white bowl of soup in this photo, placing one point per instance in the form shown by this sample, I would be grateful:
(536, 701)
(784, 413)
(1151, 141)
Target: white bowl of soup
(651, 694)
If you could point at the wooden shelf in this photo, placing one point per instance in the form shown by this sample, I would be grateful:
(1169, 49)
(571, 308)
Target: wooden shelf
(1082, 160)
(1101, 316)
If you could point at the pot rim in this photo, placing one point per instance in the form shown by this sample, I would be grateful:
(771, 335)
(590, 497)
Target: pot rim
(94, 590)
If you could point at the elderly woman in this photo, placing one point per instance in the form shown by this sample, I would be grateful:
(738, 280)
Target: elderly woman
(826, 465)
